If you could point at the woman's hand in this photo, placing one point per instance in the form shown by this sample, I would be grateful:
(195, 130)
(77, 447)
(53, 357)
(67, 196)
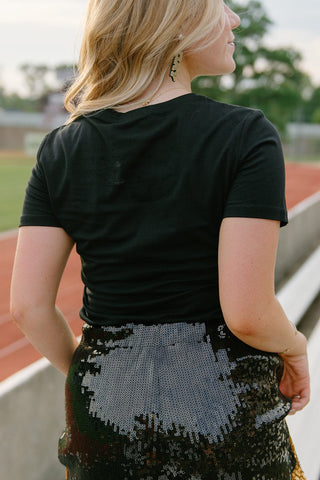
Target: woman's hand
(295, 382)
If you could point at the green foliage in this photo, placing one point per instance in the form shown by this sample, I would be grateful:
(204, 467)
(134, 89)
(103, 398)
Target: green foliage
(311, 110)
(264, 78)
(36, 79)
(40, 80)
(15, 102)
(316, 116)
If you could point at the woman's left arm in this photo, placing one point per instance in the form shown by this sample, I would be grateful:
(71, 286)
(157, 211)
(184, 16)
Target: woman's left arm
(41, 256)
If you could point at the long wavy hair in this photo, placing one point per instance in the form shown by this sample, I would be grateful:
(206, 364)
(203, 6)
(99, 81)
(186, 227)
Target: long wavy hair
(128, 44)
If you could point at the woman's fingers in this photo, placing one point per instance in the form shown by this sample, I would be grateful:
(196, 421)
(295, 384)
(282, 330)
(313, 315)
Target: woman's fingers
(300, 401)
(295, 382)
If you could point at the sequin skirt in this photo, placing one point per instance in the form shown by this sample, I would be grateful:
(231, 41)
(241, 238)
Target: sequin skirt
(174, 401)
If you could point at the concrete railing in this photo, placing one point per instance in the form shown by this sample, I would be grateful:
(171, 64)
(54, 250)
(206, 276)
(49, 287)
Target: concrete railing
(301, 290)
(305, 425)
(299, 237)
(295, 297)
(31, 420)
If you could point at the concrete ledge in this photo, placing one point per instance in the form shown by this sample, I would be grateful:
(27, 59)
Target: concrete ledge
(305, 425)
(32, 419)
(300, 236)
(301, 290)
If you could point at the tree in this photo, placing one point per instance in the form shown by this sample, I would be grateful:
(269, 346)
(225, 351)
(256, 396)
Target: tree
(312, 107)
(65, 74)
(264, 78)
(36, 79)
(14, 102)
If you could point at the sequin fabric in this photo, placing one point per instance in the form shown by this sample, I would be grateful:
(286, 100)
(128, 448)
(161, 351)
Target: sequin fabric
(174, 401)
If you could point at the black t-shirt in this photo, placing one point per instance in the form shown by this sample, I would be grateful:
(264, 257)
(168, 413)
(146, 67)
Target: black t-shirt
(143, 195)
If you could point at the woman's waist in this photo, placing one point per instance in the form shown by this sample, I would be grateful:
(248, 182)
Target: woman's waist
(107, 309)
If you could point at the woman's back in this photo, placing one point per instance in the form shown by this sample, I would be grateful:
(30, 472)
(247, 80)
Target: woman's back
(143, 195)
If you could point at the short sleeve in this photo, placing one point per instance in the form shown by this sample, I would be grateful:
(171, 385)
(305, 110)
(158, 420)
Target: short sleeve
(37, 208)
(258, 185)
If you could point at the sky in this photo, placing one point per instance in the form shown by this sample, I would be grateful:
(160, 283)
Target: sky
(49, 31)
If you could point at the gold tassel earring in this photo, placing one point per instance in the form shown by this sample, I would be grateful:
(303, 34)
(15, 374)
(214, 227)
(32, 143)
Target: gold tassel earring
(175, 66)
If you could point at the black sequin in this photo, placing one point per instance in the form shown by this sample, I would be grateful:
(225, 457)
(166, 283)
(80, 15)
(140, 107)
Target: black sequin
(174, 401)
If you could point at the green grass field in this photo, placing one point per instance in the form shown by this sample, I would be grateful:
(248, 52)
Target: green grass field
(14, 174)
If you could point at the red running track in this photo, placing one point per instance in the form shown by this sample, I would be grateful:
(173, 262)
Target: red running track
(15, 350)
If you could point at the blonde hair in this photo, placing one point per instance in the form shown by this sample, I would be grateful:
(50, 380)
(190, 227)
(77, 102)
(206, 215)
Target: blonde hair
(128, 44)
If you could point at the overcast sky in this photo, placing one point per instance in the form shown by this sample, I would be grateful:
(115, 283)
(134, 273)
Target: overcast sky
(49, 31)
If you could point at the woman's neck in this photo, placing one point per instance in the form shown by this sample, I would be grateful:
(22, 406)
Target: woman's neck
(167, 91)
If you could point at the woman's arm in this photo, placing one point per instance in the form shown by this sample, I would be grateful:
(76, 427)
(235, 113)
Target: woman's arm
(247, 255)
(41, 256)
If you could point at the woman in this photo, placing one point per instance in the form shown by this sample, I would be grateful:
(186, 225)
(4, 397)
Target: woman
(187, 365)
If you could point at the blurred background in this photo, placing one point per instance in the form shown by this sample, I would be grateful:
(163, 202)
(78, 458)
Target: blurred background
(278, 71)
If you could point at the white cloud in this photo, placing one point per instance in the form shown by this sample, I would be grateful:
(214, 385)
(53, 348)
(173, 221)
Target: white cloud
(311, 60)
(38, 43)
(52, 12)
(307, 42)
(294, 14)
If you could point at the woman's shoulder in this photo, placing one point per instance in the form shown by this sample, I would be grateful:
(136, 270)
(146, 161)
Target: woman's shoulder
(65, 133)
(214, 108)
(208, 112)
(61, 142)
